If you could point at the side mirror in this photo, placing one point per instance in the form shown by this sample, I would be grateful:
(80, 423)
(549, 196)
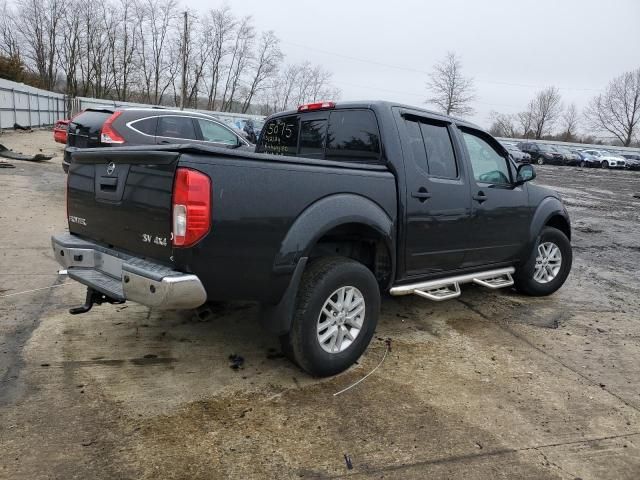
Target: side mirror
(526, 173)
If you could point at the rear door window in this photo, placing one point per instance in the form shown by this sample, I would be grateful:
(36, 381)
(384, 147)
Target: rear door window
(440, 155)
(353, 135)
(280, 136)
(176, 127)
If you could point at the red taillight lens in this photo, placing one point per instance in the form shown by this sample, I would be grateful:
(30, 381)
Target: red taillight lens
(191, 207)
(316, 106)
(109, 134)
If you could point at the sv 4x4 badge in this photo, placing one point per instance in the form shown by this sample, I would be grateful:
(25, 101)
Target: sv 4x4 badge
(162, 241)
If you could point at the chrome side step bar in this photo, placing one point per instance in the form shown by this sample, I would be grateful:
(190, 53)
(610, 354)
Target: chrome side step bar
(448, 288)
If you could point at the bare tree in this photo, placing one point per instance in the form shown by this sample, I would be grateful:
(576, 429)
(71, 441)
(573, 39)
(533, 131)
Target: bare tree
(240, 55)
(545, 108)
(570, 120)
(221, 24)
(525, 122)
(617, 110)
(154, 36)
(69, 48)
(451, 92)
(265, 65)
(9, 41)
(298, 84)
(123, 47)
(503, 125)
(38, 22)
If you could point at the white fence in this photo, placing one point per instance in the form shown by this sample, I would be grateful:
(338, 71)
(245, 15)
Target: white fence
(28, 106)
(32, 107)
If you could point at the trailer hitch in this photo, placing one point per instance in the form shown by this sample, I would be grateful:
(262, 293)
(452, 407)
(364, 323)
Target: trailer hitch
(93, 298)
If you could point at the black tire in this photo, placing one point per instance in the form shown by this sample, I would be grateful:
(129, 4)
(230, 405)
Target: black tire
(540, 160)
(583, 164)
(524, 276)
(320, 280)
(604, 164)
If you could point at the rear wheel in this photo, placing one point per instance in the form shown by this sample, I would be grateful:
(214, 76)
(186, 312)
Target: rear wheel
(548, 266)
(337, 310)
(583, 164)
(604, 164)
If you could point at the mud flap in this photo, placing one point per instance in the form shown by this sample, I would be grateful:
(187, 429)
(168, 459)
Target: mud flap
(277, 318)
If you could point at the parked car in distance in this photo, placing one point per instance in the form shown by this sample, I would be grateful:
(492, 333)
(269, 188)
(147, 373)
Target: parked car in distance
(60, 131)
(633, 160)
(542, 153)
(607, 159)
(110, 127)
(518, 155)
(586, 160)
(339, 203)
(569, 158)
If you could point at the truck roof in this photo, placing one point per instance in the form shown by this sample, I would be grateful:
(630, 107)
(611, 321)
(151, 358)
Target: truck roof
(384, 105)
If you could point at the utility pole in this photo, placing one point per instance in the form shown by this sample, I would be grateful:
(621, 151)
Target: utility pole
(183, 94)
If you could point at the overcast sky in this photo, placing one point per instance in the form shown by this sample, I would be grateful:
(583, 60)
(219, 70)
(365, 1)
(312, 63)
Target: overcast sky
(512, 48)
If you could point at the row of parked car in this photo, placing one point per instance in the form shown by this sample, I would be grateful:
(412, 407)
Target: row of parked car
(543, 153)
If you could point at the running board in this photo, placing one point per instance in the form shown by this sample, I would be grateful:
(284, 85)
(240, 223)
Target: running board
(448, 288)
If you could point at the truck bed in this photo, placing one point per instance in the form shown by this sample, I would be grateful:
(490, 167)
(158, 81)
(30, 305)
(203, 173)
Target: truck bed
(250, 251)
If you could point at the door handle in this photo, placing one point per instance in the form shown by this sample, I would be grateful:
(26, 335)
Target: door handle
(165, 142)
(422, 194)
(480, 197)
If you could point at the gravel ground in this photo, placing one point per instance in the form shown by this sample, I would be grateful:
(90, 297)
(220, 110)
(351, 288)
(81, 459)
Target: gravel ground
(491, 385)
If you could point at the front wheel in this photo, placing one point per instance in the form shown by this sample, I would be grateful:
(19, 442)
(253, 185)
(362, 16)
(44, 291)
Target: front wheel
(605, 164)
(583, 164)
(540, 160)
(337, 310)
(548, 266)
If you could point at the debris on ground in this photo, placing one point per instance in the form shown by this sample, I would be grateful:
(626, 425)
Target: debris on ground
(347, 460)
(8, 153)
(17, 126)
(387, 342)
(6, 164)
(236, 361)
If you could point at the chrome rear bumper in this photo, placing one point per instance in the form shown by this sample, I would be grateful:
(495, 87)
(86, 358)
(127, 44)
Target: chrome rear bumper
(124, 277)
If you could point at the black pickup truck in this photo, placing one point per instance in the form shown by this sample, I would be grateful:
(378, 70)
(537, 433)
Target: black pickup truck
(339, 203)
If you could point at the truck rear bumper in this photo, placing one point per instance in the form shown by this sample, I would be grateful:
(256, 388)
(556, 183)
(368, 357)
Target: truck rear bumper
(124, 277)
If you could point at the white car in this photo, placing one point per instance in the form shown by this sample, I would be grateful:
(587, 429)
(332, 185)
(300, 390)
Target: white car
(607, 159)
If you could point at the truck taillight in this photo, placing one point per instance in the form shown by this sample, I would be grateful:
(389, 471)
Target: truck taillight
(191, 207)
(109, 134)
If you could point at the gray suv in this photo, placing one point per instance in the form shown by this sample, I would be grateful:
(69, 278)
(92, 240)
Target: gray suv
(113, 127)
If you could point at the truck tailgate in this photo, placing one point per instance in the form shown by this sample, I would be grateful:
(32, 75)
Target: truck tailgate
(122, 198)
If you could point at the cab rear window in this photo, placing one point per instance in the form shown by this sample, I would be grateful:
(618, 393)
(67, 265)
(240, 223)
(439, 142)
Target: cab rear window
(280, 136)
(345, 135)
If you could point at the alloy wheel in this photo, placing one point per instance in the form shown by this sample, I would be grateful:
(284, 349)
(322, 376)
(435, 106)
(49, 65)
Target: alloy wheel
(341, 319)
(548, 262)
